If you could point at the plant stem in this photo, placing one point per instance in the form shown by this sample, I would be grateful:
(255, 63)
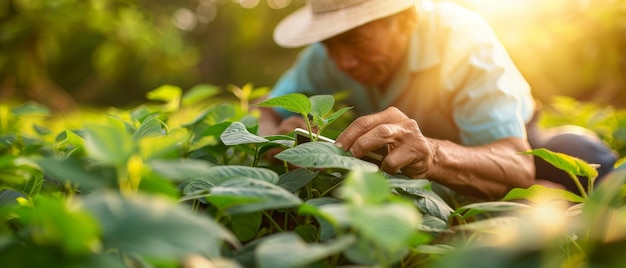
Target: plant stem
(578, 185)
(308, 126)
(331, 189)
(273, 222)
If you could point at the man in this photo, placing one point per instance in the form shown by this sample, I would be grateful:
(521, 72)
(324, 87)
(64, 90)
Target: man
(430, 81)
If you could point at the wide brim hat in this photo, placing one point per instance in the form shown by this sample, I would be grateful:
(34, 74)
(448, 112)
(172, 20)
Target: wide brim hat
(319, 20)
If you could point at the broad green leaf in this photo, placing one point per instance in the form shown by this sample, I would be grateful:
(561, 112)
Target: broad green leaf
(496, 206)
(365, 188)
(246, 226)
(140, 113)
(566, 163)
(20, 174)
(169, 94)
(327, 218)
(487, 225)
(155, 227)
(35, 181)
(321, 105)
(428, 202)
(218, 174)
(366, 253)
(408, 183)
(165, 93)
(149, 127)
(244, 195)
(323, 155)
(540, 193)
(237, 133)
(287, 250)
(433, 224)
(180, 169)
(307, 232)
(31, 108)
(438, 249)
(108, 144)
(295, 102)
(296, 179)
(334, 116)
(9, 197)
(73, 170)
(199, 93)
(392, 225)
(76, 141)
(52, 221)
(163, 146)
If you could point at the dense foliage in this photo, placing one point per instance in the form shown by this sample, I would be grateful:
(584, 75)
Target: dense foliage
(185, 181)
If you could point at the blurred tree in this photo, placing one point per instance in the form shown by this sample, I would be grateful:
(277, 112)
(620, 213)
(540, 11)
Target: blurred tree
(90, 49)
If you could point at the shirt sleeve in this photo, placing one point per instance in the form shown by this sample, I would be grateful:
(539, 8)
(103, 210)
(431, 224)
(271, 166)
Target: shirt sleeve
(490, 98)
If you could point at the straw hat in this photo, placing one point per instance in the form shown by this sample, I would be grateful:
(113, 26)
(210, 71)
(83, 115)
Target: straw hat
(322, 19)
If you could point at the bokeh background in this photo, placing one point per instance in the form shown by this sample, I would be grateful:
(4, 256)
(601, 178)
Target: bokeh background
(75, 53)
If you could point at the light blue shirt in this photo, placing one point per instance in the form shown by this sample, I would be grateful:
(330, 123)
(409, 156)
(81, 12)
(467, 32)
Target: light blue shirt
(457, 80)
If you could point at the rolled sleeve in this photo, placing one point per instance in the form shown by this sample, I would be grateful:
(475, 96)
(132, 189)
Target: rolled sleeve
(491, 99)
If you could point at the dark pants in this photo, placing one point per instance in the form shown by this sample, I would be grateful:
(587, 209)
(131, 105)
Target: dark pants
(571, 140)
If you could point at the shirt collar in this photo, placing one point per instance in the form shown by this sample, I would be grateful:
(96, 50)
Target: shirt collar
(423, 50)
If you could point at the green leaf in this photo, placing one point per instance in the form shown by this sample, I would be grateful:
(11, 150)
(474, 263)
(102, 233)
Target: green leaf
(327, 221)
(246, 226)
(307, 232)
(433, 224)
(321, 105)
(149, 127)
(438, 249)
(244, 195)
(155, 227)
(54, 221)
(365, 188)
(566, 163)
(108, 144)
(295, 102)
(287, 250)
(323, 155)
(31, 108)
(392, 226)
(497, 206)
(198, 93)
(296, 179)
(73, 170)
(237, 133)
(334, 116)
(181, 169)
(487, 225)
(165, 93)
(539, 193)
(219, 174)
(33, 186)
(428, 202)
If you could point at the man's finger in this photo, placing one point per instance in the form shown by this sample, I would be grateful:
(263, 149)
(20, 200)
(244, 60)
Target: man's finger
(364, 124)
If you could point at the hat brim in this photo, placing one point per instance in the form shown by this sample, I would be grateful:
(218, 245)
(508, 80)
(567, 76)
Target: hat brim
(304, 27)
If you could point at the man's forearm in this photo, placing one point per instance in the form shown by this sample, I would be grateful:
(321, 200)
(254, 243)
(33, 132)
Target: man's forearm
(486, 172)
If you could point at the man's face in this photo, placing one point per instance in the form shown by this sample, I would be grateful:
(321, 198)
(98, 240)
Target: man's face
(369, 53)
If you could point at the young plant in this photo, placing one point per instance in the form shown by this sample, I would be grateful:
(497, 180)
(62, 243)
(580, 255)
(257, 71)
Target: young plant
(316, 110)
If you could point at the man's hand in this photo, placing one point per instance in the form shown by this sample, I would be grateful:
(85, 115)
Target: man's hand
(409, 150)
(488, 171)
